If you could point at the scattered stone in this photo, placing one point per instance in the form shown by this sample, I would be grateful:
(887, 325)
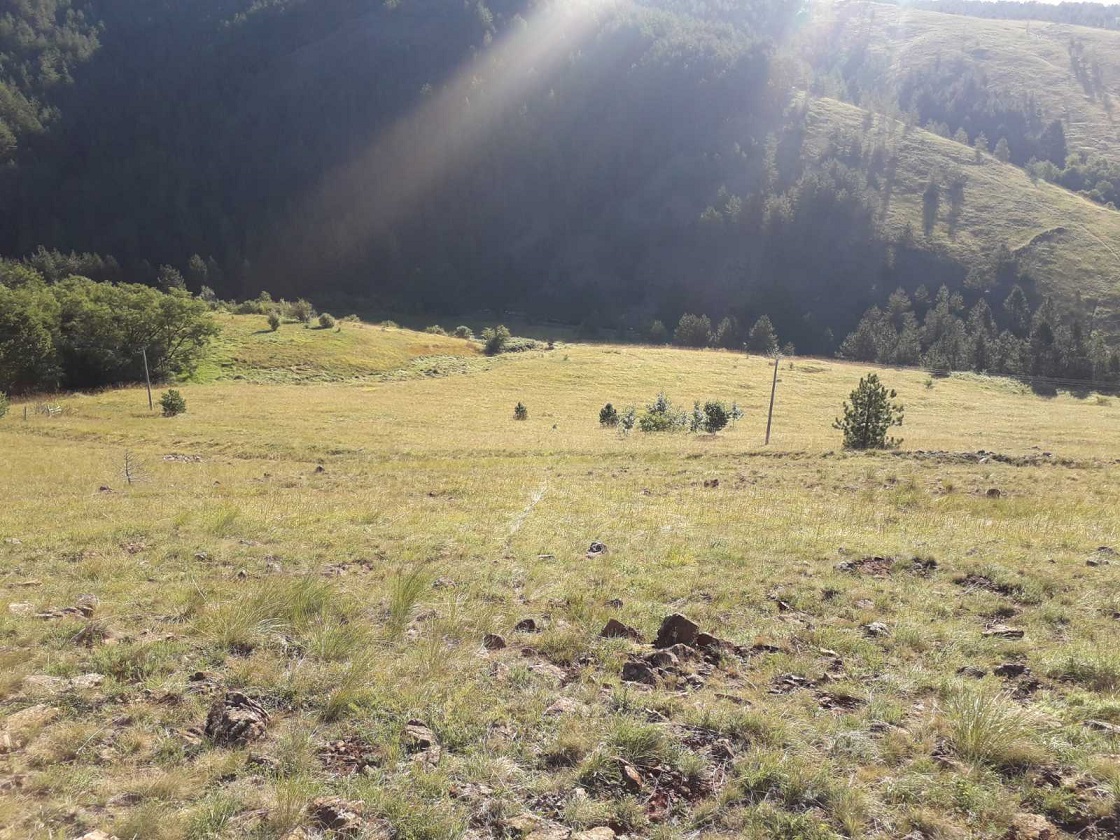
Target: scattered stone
(1011, 670)
(104, 488)
(21, 609)
(1102, 726)
(342, 816)
(711, 483)
(637, 671)
(235, 720)
(526, 625)
(876, 629)
(12, 541)
(319, 470)
(993, 493)
(564, 706)
(676, 629)
(596, 549)
(350, 755)
(20, 727)
(422, 743)
(549, 671)
(443, 583)
(1032, 827)
(972, 671)
(601, 833)
(97, 834)
(786, 683)
(43, 684)
(631, 778)
(1002, 631)
(864, 604)
(492, 641)
(615, 629)
(615, 603)
(840, 701)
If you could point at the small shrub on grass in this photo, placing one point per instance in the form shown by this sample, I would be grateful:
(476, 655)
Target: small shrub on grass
(520, 412)
(463, 332)
(988, 727)
(274, 321)
(435, 329)
(495, 339)
(716, 417)
(662, 416)
(302, 311)
(172, 403)
(4, 404)
(869, 415)
(628, 419)
(326, 321)
(608, 416)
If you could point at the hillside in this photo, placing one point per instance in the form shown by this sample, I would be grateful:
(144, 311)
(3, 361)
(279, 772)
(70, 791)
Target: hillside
(917, 641)
(1071, 73)
(1066, 243)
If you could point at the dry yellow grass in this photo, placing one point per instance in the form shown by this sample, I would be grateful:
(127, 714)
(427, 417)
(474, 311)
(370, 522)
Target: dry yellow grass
(354, 599)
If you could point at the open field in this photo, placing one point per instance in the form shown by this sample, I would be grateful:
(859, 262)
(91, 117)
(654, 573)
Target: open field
(857, 695)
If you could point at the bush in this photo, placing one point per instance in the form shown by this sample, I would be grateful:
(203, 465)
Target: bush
(495, 339)
(716, 417)
(869, 415)
(693, 331)
(608, 416)
(463, 332)
(172, 403)
(4, 404)
(302, 311)
(520, 412)
(662, 416)
(435, 329)
(326, 321)
(274, 320)
(629, 419)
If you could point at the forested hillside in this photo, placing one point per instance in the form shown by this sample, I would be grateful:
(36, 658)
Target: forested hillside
(595, 162)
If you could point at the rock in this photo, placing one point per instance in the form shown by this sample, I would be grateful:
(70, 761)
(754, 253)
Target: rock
(20, 727)
(54, 685)
(97, 834)
(615, 603)
(526, 625)
(596, 549)
(236, 719)
(342, 816)
(549, 831)
(1002, 631)
(601, 833)
(713, 645)
(876, 629)
(615, 629)
(663, 659)
(676, 629)
(972, 671)
(637, 671)
(564, 706)
(21, 609)
(711, 483)
(1011, 670)
(631, 778)
(1032, 827)
(1102, 726)
(422, 743)
(492, 641)
(864, 604)
(86, 605)
(993, 493)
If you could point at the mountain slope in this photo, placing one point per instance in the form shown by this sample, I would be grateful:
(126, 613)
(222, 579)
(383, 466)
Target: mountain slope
(1064, 242)
(1072, 73)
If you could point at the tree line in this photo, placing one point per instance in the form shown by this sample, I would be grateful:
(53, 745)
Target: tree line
(75, 333)
(1013, 339)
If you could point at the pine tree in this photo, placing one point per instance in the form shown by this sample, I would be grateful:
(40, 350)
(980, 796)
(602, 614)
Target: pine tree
(869, 415)
(763, 339)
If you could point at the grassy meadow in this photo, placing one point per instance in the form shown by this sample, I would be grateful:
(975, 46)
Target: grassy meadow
(340, 550)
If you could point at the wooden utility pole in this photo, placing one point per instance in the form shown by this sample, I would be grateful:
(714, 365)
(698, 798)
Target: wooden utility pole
(773, 390)
(148, 380)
